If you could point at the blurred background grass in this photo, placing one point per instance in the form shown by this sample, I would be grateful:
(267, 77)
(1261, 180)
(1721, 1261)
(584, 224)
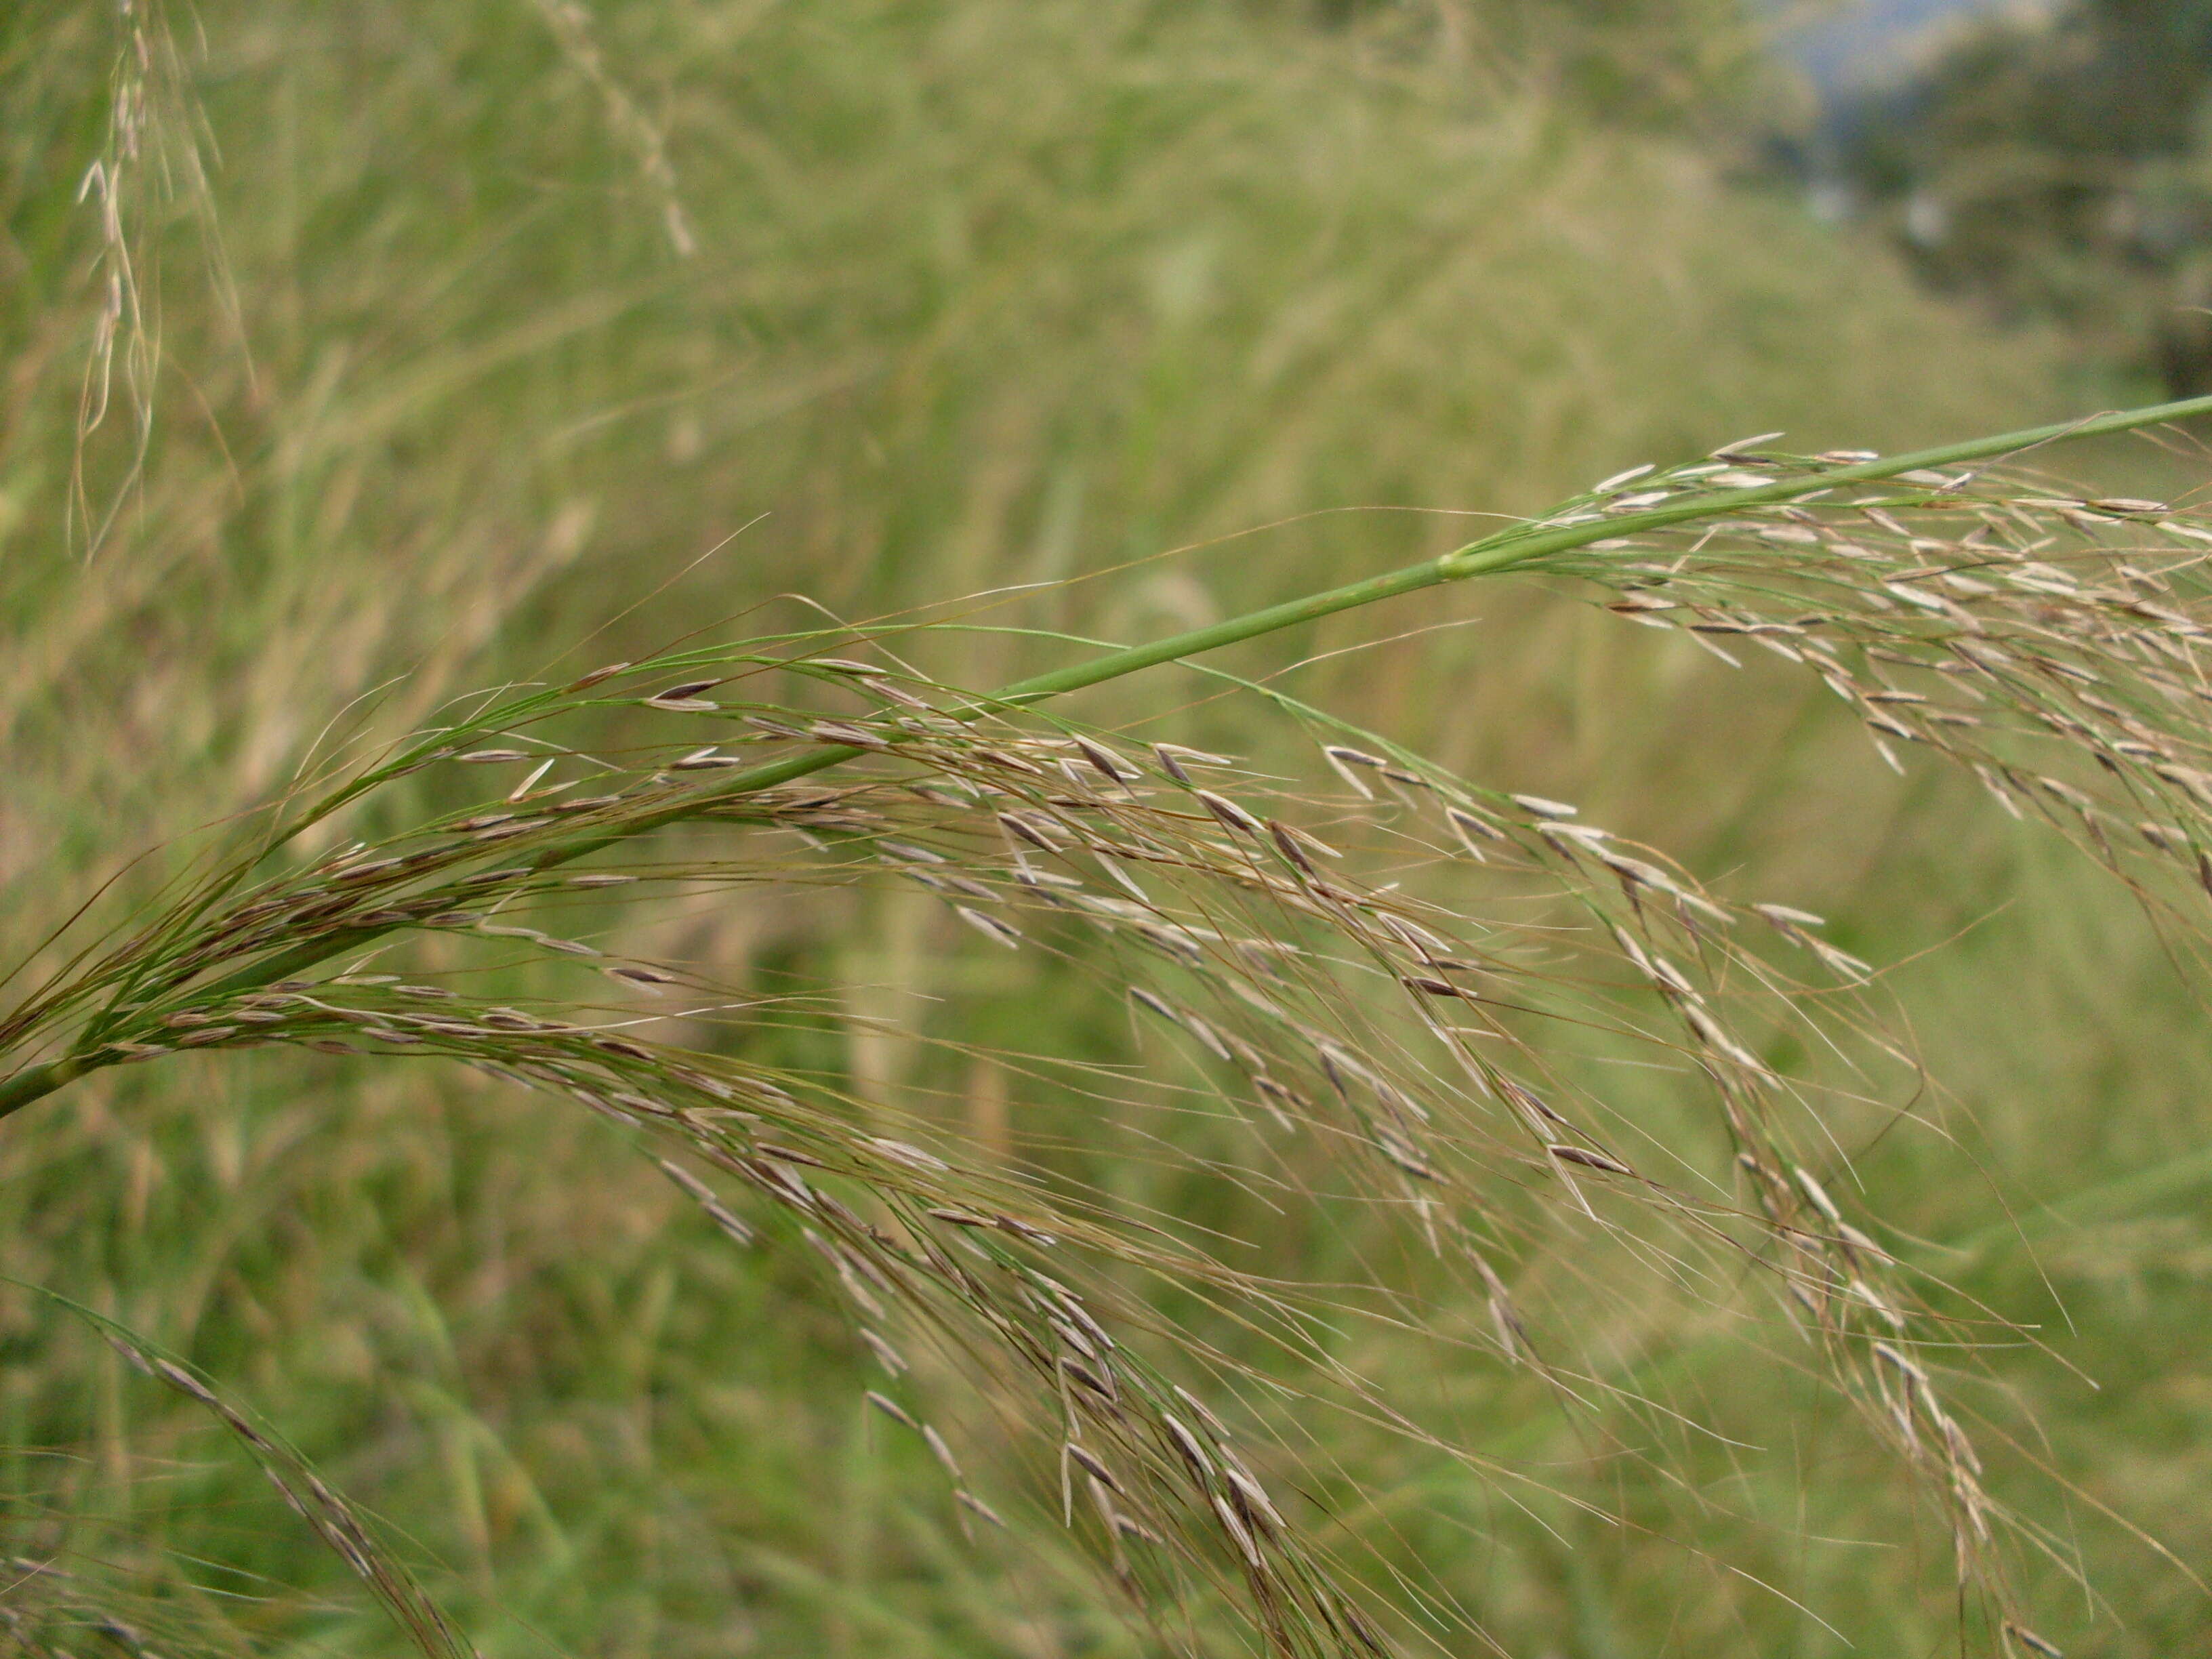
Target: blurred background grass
(496, 329)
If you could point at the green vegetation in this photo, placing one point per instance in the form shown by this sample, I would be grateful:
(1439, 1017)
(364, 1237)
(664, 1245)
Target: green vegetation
(471, 346)
(2057, 168)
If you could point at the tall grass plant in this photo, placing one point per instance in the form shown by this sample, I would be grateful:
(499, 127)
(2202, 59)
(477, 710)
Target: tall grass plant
(976, 301)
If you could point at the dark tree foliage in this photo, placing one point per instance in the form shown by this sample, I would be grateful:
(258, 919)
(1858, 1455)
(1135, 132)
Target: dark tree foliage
(2064, 171)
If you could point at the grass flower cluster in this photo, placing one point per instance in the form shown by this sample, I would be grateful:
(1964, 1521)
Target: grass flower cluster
(1379, 1046)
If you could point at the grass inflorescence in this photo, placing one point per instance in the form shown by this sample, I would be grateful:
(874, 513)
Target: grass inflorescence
(1412, 1044)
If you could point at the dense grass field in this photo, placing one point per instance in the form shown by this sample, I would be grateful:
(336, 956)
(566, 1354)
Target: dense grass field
(356, 359)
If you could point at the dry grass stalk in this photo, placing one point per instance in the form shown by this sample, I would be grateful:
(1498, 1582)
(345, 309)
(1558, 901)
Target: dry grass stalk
(150, 162)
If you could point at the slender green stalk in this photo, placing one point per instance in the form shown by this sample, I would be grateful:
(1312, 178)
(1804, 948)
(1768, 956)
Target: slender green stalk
(1506, 550)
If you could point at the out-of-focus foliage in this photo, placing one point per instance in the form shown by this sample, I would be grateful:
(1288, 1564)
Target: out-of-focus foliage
(1671, 64)
(2061, 168)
